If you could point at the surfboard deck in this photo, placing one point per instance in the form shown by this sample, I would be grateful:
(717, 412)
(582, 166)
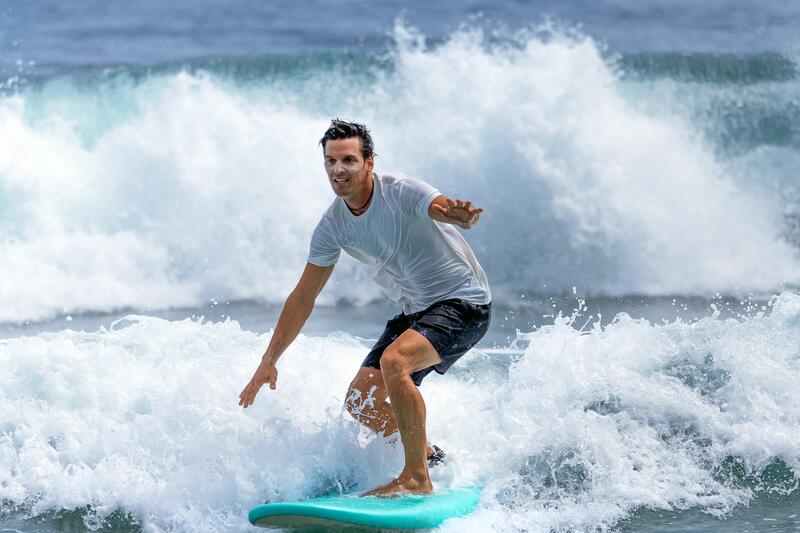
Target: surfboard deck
(401, 512)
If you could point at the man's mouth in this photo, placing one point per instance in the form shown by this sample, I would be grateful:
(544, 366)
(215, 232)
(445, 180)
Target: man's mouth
(341, 180)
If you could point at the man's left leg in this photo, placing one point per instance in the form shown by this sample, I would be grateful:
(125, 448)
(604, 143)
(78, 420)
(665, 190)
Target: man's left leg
(409, 353)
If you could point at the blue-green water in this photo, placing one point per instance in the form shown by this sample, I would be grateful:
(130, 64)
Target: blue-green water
(160, 160)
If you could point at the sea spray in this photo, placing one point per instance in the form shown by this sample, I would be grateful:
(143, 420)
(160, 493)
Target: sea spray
(170, 186)
(587, 426)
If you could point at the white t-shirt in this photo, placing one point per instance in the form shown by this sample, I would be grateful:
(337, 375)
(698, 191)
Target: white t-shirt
(416, 260)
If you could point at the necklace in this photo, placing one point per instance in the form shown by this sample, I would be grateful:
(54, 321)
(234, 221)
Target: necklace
(357, 210)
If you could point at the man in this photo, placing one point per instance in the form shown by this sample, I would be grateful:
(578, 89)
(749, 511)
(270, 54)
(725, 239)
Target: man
(402, 230)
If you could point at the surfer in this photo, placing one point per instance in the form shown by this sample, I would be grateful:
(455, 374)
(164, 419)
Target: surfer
(403, 230)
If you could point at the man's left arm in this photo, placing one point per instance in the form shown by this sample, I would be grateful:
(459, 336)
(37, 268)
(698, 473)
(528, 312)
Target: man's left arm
(463, 214)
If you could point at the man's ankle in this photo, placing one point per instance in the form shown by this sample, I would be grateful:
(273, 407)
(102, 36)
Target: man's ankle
(417, 476)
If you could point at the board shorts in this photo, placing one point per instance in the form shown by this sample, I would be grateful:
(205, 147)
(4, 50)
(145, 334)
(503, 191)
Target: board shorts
(452, 327)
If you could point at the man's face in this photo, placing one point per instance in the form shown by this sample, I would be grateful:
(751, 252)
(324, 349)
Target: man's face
(347, 170)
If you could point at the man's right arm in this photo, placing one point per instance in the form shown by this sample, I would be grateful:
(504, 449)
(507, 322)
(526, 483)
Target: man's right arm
(295, 312)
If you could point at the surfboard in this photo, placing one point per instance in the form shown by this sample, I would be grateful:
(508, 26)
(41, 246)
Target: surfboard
(401, 512)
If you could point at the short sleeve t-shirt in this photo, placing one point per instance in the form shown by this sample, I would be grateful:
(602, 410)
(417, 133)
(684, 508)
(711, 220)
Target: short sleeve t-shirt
(414, 259)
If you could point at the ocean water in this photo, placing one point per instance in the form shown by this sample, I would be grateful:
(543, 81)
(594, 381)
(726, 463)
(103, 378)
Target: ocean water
(160, 179)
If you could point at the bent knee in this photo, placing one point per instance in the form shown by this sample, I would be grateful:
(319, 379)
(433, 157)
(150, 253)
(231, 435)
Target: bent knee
(362, 395)
(354, 400)
(393, 362)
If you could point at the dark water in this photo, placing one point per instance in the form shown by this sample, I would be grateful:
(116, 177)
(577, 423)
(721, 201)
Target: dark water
(61, 37)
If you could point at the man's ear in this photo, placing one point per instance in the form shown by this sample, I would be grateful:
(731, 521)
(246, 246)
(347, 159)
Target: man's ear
(370, 163)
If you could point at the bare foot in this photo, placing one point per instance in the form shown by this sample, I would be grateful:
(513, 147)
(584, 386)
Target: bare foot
(401, 485)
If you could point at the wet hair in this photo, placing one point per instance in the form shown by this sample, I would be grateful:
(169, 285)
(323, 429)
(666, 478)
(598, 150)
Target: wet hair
(340, 129)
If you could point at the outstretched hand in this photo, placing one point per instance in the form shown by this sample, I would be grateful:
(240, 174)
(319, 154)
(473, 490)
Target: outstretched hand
(265, 373)
(459, 213)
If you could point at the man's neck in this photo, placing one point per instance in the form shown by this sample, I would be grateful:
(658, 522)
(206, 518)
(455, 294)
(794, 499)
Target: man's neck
(360, 203)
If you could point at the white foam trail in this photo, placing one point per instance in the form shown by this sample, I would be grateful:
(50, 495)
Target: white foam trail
(584, 429)
(145, 418)
(179, 188)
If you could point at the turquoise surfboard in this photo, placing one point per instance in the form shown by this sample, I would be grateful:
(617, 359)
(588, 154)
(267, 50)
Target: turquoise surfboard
(401, 512)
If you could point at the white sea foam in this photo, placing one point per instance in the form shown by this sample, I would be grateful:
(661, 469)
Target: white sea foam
(584, 428)
(175, 188)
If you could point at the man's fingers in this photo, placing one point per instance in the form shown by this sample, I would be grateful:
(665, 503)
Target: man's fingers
(248, 395)
(248, 398)
(251, 396)
(468, 205)
(439, 209)
(243, 394)
(272, 379)
(451, 203)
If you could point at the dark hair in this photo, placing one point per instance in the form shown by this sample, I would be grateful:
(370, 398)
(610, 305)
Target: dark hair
(340, 129)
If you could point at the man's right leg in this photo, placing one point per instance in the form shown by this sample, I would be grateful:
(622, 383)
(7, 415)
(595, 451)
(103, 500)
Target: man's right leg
(366, 401)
